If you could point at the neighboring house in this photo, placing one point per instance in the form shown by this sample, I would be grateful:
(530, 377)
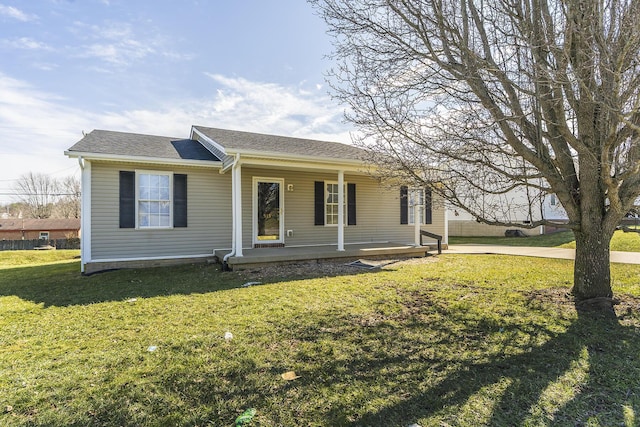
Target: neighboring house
(246, 198)
(45, 229)
(462, 223)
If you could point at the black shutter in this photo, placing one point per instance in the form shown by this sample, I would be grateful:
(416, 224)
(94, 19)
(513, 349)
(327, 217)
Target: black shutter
(127, 199)
(319, 203)
(404, 205)
(427, 205)
(179, 200)
(351, 204)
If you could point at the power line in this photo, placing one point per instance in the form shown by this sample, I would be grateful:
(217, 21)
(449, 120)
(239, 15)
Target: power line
(38, 194)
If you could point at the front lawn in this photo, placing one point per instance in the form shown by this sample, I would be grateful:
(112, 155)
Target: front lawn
(626, 242)
(440, 341)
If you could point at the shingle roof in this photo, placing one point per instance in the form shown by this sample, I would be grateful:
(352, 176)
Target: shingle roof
(138, 145)
(233, 141)
(48, 224)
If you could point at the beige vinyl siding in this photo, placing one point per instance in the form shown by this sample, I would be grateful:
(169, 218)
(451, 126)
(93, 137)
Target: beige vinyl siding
(208, 213)
(377, 210)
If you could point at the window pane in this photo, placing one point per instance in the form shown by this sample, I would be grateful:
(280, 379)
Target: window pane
(164, 221)
(144, 193)
(164, 193)
(154, 200)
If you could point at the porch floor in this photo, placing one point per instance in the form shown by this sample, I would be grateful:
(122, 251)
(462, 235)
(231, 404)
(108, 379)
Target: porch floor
(257, 256)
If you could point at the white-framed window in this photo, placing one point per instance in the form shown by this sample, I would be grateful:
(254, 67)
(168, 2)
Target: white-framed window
(44, 235)
(553, 200)
(154, 199)
(416, 196)
(331, 203)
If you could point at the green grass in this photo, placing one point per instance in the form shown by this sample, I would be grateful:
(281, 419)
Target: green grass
(626, 242)
(447, 341)
(35, 257)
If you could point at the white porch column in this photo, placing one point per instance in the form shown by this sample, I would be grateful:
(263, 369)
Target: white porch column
(416, 222)
(445, 238)
(237, 200)
(85, 213)
(341, 210)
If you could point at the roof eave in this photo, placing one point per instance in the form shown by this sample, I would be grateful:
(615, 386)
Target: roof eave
(295, 157)
(140, 159)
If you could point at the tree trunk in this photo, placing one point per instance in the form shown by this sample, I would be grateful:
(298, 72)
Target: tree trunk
(592, 273)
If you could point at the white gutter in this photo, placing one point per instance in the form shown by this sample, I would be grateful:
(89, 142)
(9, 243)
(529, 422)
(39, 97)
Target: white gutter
(234, 212)
(140, 159)
(85, 212)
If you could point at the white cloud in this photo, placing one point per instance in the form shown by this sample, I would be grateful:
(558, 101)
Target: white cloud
(37, 126)
(119, 44)
(15, 13)
(25, 43)
(273, 108)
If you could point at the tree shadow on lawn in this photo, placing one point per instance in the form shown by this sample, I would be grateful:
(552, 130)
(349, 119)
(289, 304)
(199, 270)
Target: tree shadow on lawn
(62, 284)
(610, 387)
(348, 361)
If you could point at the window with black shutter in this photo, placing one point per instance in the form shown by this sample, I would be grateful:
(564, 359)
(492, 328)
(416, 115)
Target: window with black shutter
(145, 200)
(422, 197)
(326, 203)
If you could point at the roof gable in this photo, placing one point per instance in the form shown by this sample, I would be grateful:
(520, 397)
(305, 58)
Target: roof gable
(239, 141)
(139, 145)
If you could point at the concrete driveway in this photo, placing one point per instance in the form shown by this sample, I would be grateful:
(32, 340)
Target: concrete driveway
(558, 253)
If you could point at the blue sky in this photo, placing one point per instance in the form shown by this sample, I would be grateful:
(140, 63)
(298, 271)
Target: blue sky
(156, 67)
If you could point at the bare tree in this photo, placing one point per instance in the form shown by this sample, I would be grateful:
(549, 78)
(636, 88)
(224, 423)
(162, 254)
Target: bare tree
(68, 202)
(38, 192)
(480, 98)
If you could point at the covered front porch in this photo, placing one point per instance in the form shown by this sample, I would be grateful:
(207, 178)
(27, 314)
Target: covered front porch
(259, 256)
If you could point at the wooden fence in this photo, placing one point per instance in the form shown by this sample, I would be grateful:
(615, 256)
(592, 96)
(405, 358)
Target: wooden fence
(22, 245)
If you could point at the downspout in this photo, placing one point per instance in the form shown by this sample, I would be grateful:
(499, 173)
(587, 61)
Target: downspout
(83, 216)
(225, 266)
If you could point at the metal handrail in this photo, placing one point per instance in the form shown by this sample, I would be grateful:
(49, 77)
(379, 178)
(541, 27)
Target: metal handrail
(433, 236)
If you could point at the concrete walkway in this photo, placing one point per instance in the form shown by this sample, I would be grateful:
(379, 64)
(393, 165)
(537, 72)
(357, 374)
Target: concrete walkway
(558, 253)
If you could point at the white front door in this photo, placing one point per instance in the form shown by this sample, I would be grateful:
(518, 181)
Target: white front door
(268, 204)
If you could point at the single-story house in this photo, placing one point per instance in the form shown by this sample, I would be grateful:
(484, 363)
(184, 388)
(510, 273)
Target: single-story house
(463, 223)
(246, 198)
(44, 229)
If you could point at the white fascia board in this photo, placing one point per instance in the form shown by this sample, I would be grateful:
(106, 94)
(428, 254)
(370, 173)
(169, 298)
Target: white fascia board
(299, 164)
(215, 148)
(295, 157)
(146, 160)
(304, 165)
(227, 163)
